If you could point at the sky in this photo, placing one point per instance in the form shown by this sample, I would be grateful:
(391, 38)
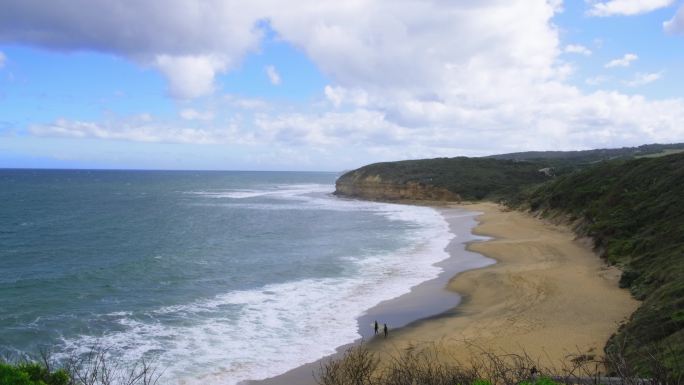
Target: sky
(331, 85)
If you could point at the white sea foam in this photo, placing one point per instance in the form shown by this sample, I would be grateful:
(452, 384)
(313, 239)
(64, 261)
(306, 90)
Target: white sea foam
(291, 191)
(317, 197)
(255, 334)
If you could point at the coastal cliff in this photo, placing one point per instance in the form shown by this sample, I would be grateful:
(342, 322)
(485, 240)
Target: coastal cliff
(496, 178)
(441, 179)
(628, 201)
(374, 188)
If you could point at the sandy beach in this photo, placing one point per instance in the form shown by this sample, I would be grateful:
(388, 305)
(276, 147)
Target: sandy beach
(548, 294)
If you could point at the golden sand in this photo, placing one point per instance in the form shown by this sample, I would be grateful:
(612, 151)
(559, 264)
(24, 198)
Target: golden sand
(548, 295)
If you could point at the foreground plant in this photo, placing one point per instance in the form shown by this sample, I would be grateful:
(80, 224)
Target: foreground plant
(96, 367)
(434, 364)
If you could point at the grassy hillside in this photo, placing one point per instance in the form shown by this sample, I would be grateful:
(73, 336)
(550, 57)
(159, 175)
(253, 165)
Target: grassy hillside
(634, 210)
(629, 200)
(502, 176)
(564, 162)
(471, 178)
(592, 156)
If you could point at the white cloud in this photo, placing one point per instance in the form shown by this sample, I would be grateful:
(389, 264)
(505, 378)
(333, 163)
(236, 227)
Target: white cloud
(188, 41)
(245, 103)
(626, 7)
(135, 129)
(3, 59)
(596, 80)
(408, 78)
(641, 79)
(578, 49)
(190, 76)
(676, 24)
(393, 47)
(624, 61)
(563, 119)
(358, 127)
(338, 95)
(273, 75)
(192, 114)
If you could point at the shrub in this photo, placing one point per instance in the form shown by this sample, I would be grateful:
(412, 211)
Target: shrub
(433, 364)
(96, 367)
(31, 373)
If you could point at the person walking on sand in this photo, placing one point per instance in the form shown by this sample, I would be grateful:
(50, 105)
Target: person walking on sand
(376, 327)
(384, 329)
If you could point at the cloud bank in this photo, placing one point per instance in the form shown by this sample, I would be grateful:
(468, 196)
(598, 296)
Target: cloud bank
(676, 24)
(626, 7)
(188, 41)
(425, 77)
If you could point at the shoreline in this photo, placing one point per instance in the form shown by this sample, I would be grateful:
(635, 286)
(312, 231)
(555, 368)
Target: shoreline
(428, 299)
(548, 294)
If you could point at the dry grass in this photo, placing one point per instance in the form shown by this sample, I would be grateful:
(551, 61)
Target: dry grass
(435, 364)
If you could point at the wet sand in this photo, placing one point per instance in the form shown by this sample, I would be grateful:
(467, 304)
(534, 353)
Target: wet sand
(548, 295)
(428, 299)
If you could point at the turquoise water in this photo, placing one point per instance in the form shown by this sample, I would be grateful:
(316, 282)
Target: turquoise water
(222, 276)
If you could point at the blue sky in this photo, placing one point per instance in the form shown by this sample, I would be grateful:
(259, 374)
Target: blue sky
(610, 38)
(330, 87)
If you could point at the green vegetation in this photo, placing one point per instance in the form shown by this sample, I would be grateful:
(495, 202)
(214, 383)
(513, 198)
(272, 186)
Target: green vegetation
(564, 162)
(629, 200)
(31, 373)
(663, 153)
(634, 211)
(499, 177)
(540, 381)
(470, 178)
(95, 367)
(593, 156)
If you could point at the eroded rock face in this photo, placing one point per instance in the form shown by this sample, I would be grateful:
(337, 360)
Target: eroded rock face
(374, 188)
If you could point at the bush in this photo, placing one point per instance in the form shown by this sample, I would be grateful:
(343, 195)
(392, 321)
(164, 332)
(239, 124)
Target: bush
(433, 364)
(95, 367)
(10, 375)
(31, 374)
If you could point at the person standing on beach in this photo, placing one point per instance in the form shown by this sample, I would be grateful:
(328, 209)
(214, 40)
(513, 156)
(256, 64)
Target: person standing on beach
(384, 329)
(376, 327)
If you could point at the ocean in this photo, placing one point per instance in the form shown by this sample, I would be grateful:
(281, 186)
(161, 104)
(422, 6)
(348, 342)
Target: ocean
(219, 276)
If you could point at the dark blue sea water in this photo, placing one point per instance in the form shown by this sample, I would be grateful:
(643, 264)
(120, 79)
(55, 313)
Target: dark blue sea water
(223, 276)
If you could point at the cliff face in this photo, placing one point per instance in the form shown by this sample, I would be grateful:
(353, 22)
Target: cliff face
(441, 179)
(374, 188)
